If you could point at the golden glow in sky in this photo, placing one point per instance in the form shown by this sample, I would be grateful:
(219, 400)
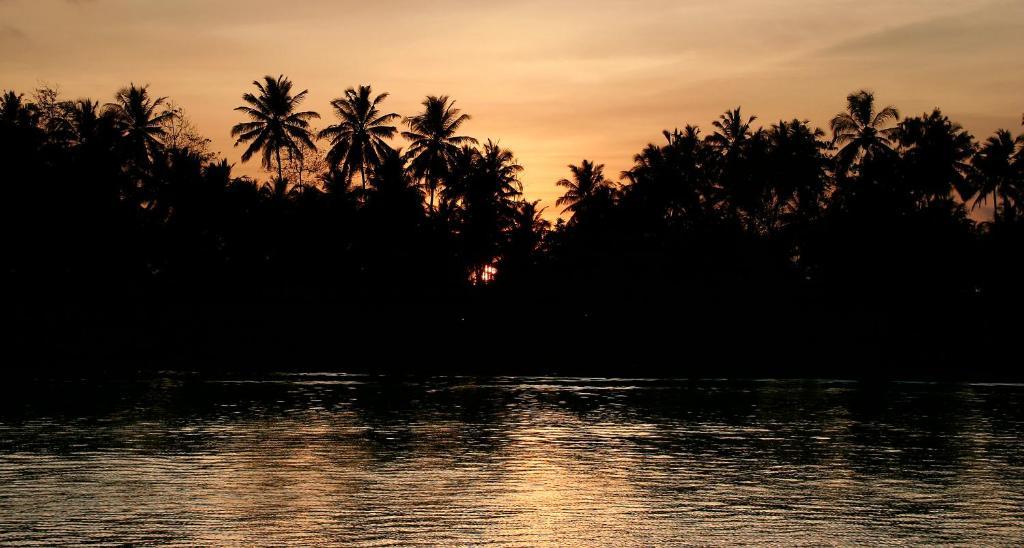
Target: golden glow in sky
(556, 81)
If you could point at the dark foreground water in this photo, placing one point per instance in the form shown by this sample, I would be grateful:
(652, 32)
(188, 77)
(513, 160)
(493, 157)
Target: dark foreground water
(328, 458)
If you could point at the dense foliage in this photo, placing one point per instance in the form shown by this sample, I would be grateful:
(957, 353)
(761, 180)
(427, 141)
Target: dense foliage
(123, 235)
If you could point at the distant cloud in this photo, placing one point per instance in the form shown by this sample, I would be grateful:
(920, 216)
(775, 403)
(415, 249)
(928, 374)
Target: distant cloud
(10, 32)
(967, 34)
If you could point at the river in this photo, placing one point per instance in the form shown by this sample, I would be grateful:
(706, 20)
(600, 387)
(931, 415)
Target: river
(327, 458)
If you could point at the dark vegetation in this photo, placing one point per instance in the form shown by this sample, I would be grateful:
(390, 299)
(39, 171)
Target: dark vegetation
(743, 250)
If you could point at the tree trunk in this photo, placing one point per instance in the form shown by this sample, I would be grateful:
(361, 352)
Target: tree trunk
(430, 189)
(995, 205)
(362, 177)
(280, 173)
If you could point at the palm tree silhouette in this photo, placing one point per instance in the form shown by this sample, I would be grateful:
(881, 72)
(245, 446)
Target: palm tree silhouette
(488, 175)
(358, 141)
(732, 132)
(672, 180)
(528, 225)
(15, 112)
(433, 140)
(83, 119)
(997, 165)
(483, 185)
(137, 115)
(937, 152)
(275, 124)
(737, 145)
(797, 167)
(860, 130)
(587, 182)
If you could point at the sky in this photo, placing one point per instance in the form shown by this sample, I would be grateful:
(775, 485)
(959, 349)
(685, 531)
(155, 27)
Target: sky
(555, 81)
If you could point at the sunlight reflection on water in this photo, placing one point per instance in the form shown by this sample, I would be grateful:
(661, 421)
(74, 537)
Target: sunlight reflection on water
(327, 458)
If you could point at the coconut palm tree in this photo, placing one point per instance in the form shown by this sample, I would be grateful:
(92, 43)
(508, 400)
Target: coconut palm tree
(738, 162)
(671, 180)
(489, 175)
(15, 112)
(83, 119)
(358, 141)
(861, 131)
(433, 140)
(528, 226)
(484, 184)
(275, 122)
(586, 184)
(937, 154)
(997, 170)
(140, 120)
(732, 132)
(796, 167)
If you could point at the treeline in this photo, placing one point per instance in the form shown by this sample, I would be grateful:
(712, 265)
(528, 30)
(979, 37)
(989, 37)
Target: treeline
(124, 236)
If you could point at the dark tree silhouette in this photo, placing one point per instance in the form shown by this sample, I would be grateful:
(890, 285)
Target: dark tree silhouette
(937, 154)
(359, 140)
(140, 118)
(276, 124)
(14, 112)
(434, 140)
(998, 174)
(587, 183)
(797, 170)
(860, 132)
(118, 217)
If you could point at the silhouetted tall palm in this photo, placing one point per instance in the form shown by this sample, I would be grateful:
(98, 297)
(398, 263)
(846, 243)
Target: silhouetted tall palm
(15, 112)
(390, 181)
(740, 150)
(797, 174)
(861, 131)
(433, 140)
(732, 132)
(488, 175)
(587, 182)
(140, 120)
(671, 181)
(937, 154)
(997, 170)
(528, 226)
(359, 140)
(84, 120)
(276, 124)
(486, 191)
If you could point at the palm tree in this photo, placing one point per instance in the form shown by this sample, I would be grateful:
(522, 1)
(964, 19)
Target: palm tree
(358, 141)
(861, 131)
(483, 184)
(671, 180)
(587, 182)
(392, 175)
(15, 112)
(433, 140)
(85, 120)
(528, 226)
(797, 167)
(275, 123)
(937, 153)
(732, 132)
(997, 170)
(140, 121)
(738, 146)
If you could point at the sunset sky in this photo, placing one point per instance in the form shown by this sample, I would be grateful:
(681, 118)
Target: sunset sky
(554, 80)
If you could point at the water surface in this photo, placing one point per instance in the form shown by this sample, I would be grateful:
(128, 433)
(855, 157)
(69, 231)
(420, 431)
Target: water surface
(182, 459)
